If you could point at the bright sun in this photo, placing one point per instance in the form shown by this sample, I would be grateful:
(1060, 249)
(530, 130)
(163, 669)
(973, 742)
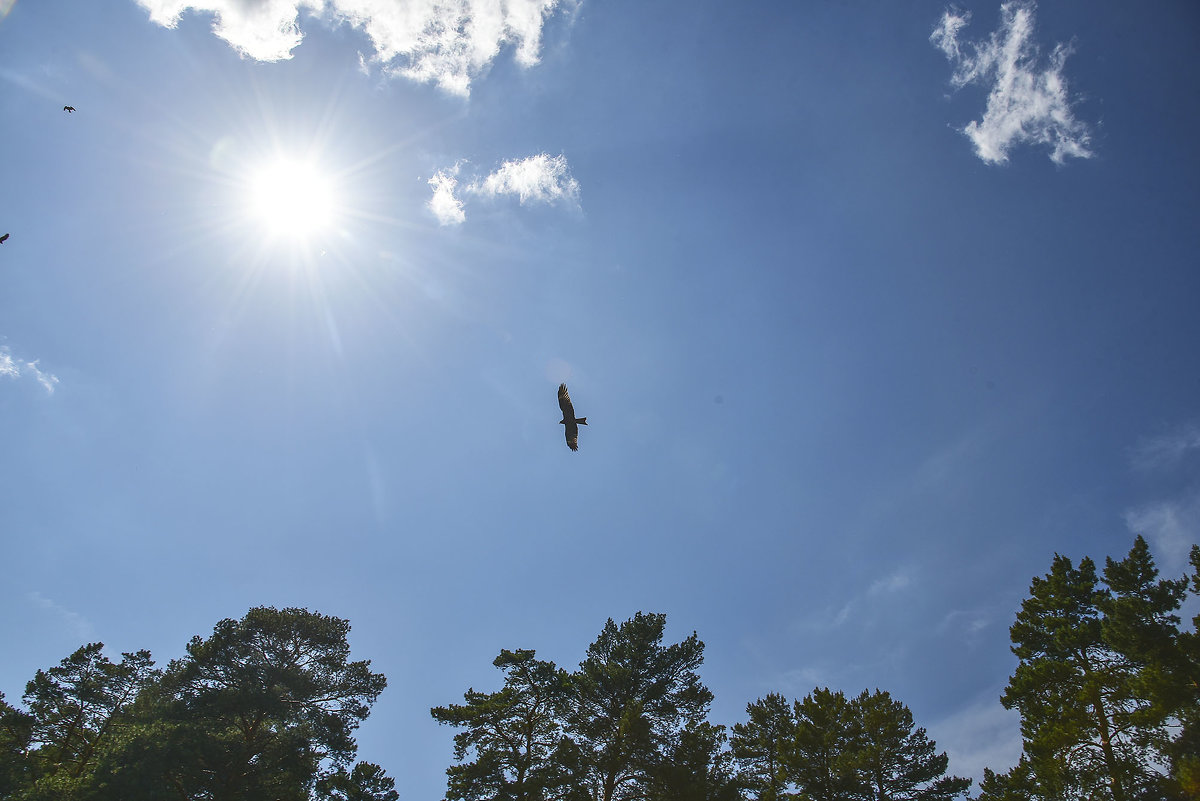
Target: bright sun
(293, 199)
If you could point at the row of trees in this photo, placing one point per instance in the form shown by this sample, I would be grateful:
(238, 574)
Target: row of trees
(265, 708)
(630, 724)
(1107, 686)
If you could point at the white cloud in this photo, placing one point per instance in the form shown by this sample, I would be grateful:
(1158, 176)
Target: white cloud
(264, 30)
(1167, 450)
(12, 367)
(540, 179)
(445, 206)
(444, 42)
(1027, 103)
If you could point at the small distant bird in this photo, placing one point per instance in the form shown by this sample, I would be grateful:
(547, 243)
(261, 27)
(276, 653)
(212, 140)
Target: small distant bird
(2, 238)
(68, 109)
(569, 420)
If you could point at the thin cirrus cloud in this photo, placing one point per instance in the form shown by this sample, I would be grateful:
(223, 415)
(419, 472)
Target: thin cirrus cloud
(861, 605)
(1171, 522)
(1027, 101)
(542, 179)
(79, 626)
(444, 42)
(1166, 450)
(16, 368)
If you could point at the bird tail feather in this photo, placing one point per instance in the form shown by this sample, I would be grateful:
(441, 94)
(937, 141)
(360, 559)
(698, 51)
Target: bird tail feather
(581, 421)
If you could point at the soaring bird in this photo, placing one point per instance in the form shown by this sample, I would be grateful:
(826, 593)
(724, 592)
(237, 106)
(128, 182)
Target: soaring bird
(569, 420)
(68, 109)
(2, 238)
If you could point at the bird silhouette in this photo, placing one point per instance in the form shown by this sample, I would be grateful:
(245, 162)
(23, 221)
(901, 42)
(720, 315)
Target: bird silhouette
(2, 238)
(68, 109)
(569, 420)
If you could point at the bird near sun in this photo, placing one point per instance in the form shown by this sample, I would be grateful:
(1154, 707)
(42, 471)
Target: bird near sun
(69, 109)
(569, 420)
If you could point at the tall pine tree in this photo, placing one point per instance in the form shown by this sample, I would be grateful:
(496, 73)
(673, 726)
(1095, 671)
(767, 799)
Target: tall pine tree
(512, 733)
(762, 747)
(1086, 717)
(633, 699)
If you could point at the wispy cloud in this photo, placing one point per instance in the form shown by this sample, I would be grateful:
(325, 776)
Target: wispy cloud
(80, 626)
(1172, 526)
(1171, 522)
(537, 179)
(444, 42)
(1027, 101)
(1166, 450)
(857, 605)
(972, 621)
(889, 584)
(13, 367)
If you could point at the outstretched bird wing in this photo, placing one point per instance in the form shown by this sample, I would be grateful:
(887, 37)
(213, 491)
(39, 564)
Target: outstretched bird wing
(2, 238)
(568, 421)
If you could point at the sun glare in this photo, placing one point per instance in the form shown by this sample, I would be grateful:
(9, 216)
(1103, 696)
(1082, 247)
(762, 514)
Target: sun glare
(292, 199)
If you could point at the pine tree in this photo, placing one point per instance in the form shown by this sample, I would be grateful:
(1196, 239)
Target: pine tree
(895, 761)
(762, 747)
(825, 744)
(512, 733)
(633, 697)
(1081, 701)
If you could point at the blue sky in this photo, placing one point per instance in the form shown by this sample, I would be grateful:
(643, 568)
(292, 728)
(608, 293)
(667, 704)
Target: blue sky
(872, 308)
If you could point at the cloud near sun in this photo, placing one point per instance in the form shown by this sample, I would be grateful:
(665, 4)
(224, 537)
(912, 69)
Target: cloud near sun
(538, 179)
(445, 42)
(1026, 103)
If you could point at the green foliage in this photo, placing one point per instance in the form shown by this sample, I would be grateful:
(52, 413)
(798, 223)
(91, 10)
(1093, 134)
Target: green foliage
(512, 732)
(632, 697)
(75, 709)
(834, 749)
(762, 746)
(263, 709)
(1017, 784)
(894, 760)
(696, 768)
(366, 782)
(629, 723)
(262, 704)
(1107, 685)
(823, 762)
(16, 733)
(1097, 684)
(1184, 752)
